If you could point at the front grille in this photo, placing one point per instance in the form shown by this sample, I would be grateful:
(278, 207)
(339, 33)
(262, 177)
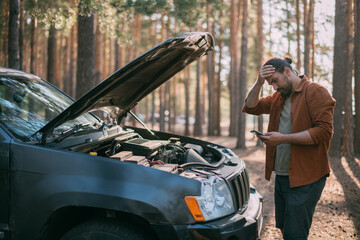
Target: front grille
(240, 187)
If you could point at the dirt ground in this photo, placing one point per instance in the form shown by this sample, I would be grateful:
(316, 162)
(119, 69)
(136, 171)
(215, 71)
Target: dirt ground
(337, 215)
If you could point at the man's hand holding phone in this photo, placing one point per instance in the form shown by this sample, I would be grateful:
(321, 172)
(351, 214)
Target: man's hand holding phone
(270, 138)
(256, 132)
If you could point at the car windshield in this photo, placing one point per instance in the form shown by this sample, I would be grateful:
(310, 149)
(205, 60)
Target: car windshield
(28, 103)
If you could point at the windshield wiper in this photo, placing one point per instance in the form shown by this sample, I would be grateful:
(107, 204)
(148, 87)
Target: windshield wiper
(77, 128)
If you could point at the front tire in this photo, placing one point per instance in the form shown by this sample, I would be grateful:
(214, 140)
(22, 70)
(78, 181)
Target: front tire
(103, 230)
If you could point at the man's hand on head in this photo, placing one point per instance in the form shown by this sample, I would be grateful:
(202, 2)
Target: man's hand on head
(265, 72)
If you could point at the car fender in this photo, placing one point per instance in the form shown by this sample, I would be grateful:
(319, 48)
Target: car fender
(46, 179)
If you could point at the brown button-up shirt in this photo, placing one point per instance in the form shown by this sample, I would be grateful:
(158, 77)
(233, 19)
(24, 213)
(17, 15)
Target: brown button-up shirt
(312, 109)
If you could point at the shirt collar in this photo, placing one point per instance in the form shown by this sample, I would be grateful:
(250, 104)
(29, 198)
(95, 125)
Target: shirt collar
(302, 83)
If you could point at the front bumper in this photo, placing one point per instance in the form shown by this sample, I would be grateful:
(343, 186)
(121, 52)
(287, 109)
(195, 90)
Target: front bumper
(240, 226)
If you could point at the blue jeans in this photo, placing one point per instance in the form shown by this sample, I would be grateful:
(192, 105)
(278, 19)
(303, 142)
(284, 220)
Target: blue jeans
(294, 207)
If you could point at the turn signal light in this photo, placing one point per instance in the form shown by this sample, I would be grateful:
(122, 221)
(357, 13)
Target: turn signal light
(194, 208)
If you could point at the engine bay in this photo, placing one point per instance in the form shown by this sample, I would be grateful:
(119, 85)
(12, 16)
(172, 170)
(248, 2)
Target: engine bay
(169, 155)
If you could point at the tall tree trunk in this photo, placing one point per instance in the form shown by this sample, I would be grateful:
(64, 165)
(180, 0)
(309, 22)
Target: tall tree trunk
(198, 107)
(311, 39)
(21, 36)
(33, 45)
(219, 83)
(104, 55)
(357, 79)
(298, 48)
(174, 100)
(4, 27)
(67, 79)
(338, 76)
(211, 91)
(51, 62)
(72, 61)
(86, 54)
(211, 82)
(167, 102)
(187, 100)
(110, 68)
(162, 88)
(13, 32)
(233, 67)
(59, 61)
(153, 109)
(153, 35)
(118, 54)
(99, 52)
(306, 39)
(243, 77)
(39, 53)
(42, 55)
(288, 24)
(348, 147)
(260, 38)
(148, 99)
(203, 89)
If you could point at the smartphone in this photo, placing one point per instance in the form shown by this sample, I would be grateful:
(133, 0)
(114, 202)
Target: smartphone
(256, 132)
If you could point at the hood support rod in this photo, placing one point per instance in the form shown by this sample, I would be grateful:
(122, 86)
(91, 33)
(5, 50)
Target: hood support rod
(143, 124)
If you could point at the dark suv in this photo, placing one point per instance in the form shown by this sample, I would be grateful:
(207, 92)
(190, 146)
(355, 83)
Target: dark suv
(66, 174)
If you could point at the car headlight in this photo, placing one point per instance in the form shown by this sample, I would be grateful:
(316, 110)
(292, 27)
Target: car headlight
(215, 200)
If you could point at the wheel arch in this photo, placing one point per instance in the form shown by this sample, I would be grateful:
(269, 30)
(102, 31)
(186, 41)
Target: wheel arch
(66, 218)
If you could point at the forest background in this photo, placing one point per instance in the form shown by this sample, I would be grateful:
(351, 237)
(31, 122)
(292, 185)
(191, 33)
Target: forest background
(75, 44)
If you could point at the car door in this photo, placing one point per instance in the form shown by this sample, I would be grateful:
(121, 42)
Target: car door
(4, 184)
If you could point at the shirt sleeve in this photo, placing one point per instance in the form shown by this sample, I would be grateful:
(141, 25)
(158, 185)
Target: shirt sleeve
(263, 107)
(321, 109)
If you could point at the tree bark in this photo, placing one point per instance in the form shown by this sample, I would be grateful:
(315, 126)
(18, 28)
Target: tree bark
(233, 67)
(33, 45)
(72, 61)
(86, 55)
(21, 35)
(67, 79)
(311, 39)
(211, 82)
(260, 37)
(357, 79)
(174, 100)
(306, 39)
(168, 104)
(162, 88)
(219, 83)
(59, 60)
(13, 32)
(203, 88)
(348, 147)
(338, 76)
(298, 49)
(288, 24)
(187, 100)
(243, 77)
(51, 62)
(4, 27)
(99, 52)
(198, 107)
(211, 91)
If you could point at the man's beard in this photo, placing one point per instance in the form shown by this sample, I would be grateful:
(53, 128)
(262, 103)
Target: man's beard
(287, 90)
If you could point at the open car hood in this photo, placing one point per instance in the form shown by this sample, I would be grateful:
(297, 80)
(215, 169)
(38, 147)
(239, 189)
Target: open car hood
(127, 86)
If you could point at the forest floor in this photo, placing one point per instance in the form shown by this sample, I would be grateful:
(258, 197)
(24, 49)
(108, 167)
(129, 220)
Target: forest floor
(337, 215)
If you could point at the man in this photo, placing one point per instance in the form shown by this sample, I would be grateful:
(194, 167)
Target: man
(299, 132)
